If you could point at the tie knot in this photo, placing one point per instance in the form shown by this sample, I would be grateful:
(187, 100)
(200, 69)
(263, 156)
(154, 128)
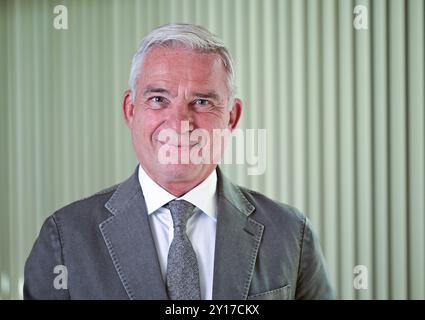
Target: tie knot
(181, 211)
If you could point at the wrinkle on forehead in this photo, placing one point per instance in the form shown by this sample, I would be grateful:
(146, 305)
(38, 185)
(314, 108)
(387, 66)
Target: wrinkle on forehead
(183, 71)
(181, 62)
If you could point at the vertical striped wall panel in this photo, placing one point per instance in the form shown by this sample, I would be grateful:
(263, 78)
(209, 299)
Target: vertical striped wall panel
(343, 109)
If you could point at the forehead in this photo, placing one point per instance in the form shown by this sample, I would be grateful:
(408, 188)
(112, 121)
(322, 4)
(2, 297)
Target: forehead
(181, 65)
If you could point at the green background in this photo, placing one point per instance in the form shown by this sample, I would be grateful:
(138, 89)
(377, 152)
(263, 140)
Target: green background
(343, 109)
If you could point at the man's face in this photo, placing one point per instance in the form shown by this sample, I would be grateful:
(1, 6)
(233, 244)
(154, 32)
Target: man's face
(178, 85)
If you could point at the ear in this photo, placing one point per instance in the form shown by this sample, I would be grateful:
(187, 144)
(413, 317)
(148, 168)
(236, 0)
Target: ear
(128, 108)
(235, 114)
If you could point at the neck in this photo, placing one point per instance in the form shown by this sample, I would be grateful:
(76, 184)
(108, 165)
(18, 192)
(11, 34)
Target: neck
(180, 188)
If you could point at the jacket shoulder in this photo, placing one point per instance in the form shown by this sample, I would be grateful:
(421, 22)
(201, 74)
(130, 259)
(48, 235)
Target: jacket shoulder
(93, 205)
(274, 212)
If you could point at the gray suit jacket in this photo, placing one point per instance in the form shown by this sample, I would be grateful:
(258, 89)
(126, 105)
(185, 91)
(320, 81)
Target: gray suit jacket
(264, 249)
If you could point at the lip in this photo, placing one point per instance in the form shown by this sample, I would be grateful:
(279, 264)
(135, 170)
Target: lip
(179, 145)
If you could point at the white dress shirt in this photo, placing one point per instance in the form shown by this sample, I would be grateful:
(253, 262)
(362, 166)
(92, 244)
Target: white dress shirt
(201, 227)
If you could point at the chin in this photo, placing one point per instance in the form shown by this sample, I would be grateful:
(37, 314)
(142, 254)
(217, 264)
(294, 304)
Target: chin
(181, 172)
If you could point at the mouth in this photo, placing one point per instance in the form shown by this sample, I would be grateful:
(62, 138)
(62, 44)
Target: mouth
(190, 145)
(176, 144)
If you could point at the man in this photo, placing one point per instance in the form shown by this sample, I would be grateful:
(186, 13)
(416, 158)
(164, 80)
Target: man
(176, 229)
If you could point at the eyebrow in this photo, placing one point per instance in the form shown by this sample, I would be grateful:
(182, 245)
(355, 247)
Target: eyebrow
(150, 89)
(207, 95)
(210, 94)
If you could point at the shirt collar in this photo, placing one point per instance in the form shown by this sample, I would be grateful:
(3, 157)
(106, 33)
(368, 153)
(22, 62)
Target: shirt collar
(203, 196)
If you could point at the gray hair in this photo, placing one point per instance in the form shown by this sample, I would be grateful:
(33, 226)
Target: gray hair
(188, 36)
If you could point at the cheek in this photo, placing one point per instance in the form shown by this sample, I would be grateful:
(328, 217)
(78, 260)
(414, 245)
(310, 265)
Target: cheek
(138, 128)
(212, 121)
(144, 127)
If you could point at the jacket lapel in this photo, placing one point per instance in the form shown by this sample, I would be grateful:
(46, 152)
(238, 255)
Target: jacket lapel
(129, 240)
(237, 241)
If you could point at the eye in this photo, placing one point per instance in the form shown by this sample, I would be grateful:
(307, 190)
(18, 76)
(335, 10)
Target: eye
(157, 102)
(202, 102)
(157, 99)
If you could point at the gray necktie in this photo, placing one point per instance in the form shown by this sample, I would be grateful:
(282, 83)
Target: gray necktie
(182, 266)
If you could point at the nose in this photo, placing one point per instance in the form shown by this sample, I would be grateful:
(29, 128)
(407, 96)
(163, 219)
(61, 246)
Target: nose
(180, 117)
